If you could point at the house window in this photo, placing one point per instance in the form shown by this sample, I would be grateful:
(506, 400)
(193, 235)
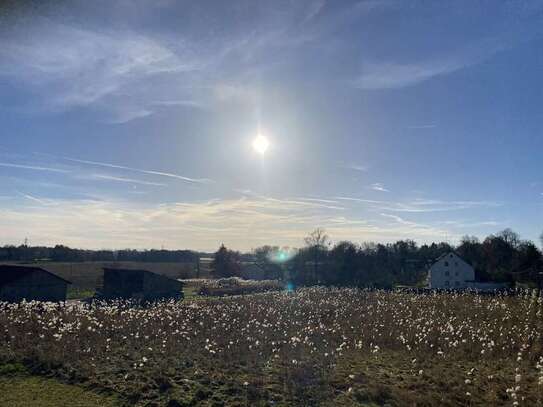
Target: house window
(447, 283)
(455, 264)
(447, 273)
(457, 283)
(456, 273)
(446, 264)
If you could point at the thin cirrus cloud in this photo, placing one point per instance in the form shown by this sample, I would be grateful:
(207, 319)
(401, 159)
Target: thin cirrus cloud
(420, 205)
(32, 167)
(103, 177)
(76, 67)
(128, 75)
(395, 75)
(141, 171)
(32, 198)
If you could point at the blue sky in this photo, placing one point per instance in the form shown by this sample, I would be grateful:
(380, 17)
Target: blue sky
(129, 124)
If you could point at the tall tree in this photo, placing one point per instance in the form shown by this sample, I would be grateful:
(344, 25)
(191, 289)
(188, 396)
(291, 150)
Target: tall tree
(226, 263)
(317, 244)
(267, 260)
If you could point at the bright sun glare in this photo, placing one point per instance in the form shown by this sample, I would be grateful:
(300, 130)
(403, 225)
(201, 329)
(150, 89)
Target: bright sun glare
(261, 144)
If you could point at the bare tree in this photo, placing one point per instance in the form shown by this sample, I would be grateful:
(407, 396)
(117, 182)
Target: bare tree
(318, 238)
(317, 242)
(510, 237)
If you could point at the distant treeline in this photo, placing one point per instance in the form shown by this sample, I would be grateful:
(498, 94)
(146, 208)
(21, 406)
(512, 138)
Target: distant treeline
(503, 257)
(61, 253)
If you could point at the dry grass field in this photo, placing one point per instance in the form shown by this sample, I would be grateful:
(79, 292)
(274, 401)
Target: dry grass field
(317, 346)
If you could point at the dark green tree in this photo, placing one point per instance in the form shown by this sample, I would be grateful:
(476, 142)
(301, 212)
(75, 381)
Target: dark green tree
(226, 263)
(267, 260)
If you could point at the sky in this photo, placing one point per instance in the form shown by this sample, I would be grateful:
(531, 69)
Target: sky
(130, 123)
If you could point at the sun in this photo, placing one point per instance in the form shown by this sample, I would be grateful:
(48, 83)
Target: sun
(261, 144)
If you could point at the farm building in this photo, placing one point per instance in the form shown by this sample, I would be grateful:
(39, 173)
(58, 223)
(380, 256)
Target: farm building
(140, 285)
(451, 272)
(30, 283)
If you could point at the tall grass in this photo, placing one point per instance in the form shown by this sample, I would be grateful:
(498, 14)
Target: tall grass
(308, 347)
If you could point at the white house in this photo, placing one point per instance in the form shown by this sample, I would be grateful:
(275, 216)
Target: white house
(451, 272)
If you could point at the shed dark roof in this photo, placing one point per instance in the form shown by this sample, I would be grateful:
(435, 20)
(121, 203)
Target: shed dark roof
(107, 269)
(10, 273)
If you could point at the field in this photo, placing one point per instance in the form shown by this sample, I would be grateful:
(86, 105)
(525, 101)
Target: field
(316, 346)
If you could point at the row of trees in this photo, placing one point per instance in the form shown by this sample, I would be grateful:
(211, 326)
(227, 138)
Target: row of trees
(63, 253)
(503, 257)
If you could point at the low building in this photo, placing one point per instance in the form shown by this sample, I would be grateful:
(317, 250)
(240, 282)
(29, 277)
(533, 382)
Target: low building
(19, 283)
(141, 285)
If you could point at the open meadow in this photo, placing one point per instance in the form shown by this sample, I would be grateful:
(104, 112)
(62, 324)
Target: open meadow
(313, 347)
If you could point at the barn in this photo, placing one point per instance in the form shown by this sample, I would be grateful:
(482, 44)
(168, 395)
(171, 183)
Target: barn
(19, 283)
(450, 271)
(139, 285)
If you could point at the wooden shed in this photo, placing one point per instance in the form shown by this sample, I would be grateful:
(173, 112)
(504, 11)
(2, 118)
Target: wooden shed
(19, 283)
(140, 285)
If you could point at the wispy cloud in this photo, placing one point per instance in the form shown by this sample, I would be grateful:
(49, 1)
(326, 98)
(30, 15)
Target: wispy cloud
(126, 180)
(41, 201)
(418, 228)
(317, 200)
(141, 171)
(33, 167)
(297, 202)
(421, 205)
(470, 224)
(126, 114)
(377, 186)
(174, 103)
(356, 167)
(360, 200)
(127, 74)
(240, 223)
(76, 67)
(391, 75)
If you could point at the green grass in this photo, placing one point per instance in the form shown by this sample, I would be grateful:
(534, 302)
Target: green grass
(190, 292)
(78, 294)
(19, 389)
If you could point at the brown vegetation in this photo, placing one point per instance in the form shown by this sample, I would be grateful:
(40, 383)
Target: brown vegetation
(314, 347)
